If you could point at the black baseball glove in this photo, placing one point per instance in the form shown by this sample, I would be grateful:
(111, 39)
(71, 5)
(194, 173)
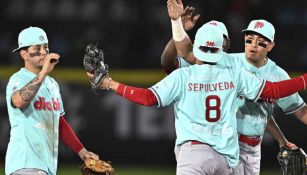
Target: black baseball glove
(93, 62)
(293, 161)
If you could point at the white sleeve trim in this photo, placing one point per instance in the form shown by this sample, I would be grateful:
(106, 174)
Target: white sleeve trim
(179, 62)
(296, 109)
(157, 96)
(260, 90)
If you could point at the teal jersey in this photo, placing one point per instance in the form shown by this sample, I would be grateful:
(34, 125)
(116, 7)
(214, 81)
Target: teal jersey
(252, 116)
(34, 132)
(204, 99)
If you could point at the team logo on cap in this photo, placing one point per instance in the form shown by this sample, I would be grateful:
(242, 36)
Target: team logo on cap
(213, 23)
(41, 38)
(258, 25)
(210, 44)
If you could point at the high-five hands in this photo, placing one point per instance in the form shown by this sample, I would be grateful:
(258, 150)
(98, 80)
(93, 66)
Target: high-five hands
(188, 19)
(175, 9)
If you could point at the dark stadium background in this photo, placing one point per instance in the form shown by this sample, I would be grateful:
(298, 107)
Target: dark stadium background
(133, 34)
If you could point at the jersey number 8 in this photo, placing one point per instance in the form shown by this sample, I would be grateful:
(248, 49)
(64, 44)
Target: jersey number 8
(211, 108)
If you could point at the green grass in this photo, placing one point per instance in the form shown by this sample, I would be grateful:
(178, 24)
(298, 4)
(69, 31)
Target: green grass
(270, 172)
(126, 170)
(122, 170)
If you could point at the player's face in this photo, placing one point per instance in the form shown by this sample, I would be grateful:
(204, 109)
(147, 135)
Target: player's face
(256, 48)
(36, 54)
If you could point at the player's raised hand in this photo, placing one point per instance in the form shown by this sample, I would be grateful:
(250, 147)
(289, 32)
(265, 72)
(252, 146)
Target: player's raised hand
(174, 8)
(103, 84)
(50, 61)
(188, 18)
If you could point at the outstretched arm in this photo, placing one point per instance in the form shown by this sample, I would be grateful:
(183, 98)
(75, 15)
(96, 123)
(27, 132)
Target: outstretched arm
(137, 95)
(273, 129)
(284, 88)
(169, 60)
(182, 41)
(68, 136)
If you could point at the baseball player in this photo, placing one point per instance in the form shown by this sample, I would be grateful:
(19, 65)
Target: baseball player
(204, 97)
(253, 117)
(36, 112)
(171, 61)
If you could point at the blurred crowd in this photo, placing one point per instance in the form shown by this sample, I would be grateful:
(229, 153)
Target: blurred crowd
(133, 33)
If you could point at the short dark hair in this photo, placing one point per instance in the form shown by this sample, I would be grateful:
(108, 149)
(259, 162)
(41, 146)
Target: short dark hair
(207, 49)
(23, 48)
(255, 33)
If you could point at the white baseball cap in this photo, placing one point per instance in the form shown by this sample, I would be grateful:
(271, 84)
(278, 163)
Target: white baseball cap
(31, 36)
(208, 36)
(220, 25)
(262, 27)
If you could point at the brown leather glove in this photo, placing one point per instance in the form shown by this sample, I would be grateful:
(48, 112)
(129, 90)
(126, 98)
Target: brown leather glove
(96, 167)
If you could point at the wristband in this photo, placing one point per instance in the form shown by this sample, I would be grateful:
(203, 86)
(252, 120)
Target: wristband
(178, 30)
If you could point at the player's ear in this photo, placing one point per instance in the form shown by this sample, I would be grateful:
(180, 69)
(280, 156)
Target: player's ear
(23, 53)
(270, 46)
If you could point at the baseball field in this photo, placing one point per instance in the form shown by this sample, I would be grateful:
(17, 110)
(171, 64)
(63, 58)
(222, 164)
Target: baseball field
(71, 170)
(125, 170)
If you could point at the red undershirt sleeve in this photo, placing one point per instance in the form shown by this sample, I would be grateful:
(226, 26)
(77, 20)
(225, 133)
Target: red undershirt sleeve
(271, 90)
(137, 95)
(68, 136)
(284, 88)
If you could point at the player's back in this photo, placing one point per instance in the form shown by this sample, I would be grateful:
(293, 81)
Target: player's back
(207, 102)
(206, 110)
(203, 97)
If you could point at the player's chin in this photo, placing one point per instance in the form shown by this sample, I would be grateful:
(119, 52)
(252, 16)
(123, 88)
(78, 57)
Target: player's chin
(249, 55)
(252, 57)
(40, 65)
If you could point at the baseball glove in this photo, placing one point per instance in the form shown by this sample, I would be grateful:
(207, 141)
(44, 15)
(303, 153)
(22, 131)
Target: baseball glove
(292, 161)
(96, 167)
(93, 62)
